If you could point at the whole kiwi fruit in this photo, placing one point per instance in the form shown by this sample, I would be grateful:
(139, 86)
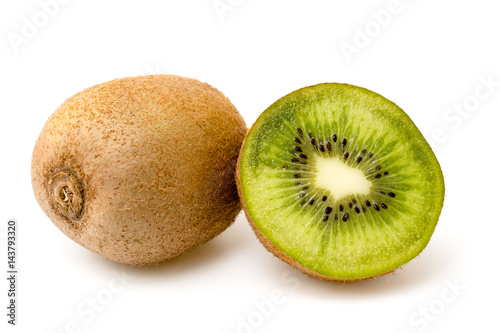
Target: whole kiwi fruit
(338, 182)
(140, 170)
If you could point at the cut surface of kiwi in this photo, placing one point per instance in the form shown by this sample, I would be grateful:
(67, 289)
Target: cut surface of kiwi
(337, 181)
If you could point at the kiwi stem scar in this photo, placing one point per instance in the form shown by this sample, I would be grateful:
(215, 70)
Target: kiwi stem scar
(66, 193)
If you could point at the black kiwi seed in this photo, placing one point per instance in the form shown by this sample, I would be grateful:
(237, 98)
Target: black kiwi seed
(297, 140)
(324, 198)
(297, 149)
(302, 194)
(311, 202)
(364, 209)
(383, 205)
(341, 208)
(382, 192)
(300, 131)
(357, 209)
(329, 146)
(344, 142)
(322, 148)
(391, 194)
(363, 151)
(313, 141)
(354, 201)
(305, 188)
(336, 217)
(350, 204)
(295, 160)
(328, 210)
(303, 162)
(378, 175)
(325, 218)
(370, 155)
(359, 159)
(310, 135)
(334, 138)
(296, 176)
(285, 166)
(377, 208)
(378, 167)
(346, 155)
(303, 156)
(386, 173)
(345, 217)
(368, 203)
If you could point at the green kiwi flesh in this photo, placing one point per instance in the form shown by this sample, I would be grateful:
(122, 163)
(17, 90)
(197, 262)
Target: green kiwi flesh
(337, 181)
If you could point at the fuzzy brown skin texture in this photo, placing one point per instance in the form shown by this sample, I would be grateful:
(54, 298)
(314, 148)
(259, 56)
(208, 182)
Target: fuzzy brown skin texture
(140, 170)
(277, 251)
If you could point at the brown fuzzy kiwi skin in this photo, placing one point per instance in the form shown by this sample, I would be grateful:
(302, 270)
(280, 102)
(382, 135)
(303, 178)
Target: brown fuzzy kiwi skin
(277, 251)
(140, 170)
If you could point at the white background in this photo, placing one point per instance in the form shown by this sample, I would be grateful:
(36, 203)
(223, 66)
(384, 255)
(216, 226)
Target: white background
(430, 57)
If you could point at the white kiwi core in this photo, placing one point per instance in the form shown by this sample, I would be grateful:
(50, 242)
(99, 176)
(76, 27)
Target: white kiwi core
(340, 179)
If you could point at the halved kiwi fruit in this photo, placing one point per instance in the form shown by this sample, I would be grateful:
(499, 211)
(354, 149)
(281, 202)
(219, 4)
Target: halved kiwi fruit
(338, 182)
